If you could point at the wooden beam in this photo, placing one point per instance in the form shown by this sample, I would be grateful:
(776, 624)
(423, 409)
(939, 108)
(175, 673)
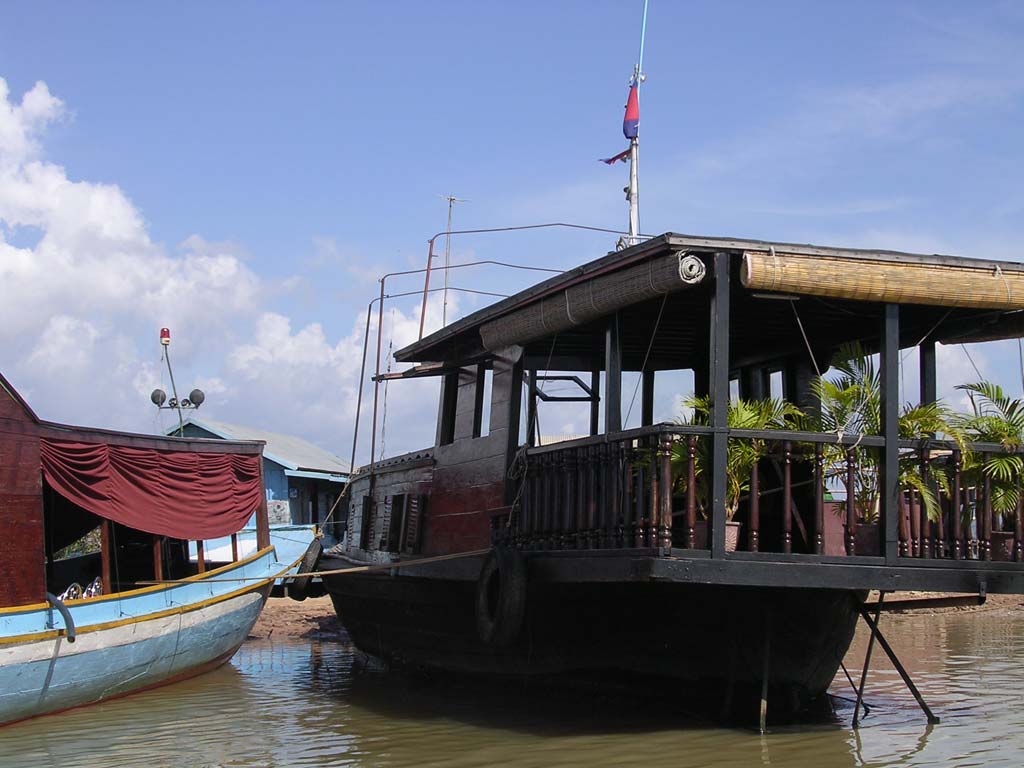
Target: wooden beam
(647, 399)
(889, 470)
(105, 556)
(613, 374)
(718, 366)
(926, 353)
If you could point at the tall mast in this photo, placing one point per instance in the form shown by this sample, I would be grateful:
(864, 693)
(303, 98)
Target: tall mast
(631, 127)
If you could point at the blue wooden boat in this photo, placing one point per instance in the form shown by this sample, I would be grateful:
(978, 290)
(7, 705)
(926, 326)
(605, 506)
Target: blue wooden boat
(149, 616)
(102, 647)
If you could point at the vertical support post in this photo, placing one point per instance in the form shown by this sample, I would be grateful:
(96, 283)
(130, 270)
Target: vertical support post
(819, 499)
(926, 365)
(595, 402)
(262, 516)
(766, 670)
(787, 498)
(200, 556)
(755, 509)
(234, 547)
(851, 502)
(889, 469)
(531, 410)
(647, 399)
(105, 555)
(691, 491)
(158, 557)
(613, 376)
(718, 364)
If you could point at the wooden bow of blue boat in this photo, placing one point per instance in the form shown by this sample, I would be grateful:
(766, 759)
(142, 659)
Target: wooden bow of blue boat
(150, 616)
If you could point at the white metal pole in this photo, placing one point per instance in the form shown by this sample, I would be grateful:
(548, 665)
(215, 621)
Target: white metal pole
(634, 193)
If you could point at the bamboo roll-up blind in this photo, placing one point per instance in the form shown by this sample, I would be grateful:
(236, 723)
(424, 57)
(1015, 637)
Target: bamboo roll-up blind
(865, 279)
(589, 300)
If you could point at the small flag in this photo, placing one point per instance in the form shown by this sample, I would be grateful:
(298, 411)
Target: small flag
(631, 122)
(622, 156)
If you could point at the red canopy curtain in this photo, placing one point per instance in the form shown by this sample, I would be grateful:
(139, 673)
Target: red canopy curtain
(180, 494)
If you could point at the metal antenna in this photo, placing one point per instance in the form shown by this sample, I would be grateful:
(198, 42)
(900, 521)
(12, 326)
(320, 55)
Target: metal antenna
(452, 200)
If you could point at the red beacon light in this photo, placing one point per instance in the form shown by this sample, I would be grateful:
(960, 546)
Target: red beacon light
(165, 336)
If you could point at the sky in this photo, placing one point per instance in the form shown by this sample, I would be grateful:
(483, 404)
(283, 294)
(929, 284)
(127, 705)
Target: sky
(243, 173)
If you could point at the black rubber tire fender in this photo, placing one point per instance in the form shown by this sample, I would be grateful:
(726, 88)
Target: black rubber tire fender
(298, 586)
(501, 597)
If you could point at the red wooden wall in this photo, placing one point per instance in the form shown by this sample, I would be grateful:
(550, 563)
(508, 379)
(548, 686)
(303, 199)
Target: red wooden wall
(22, 554)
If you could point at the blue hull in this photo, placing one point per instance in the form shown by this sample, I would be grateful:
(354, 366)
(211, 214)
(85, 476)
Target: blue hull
(129, 641)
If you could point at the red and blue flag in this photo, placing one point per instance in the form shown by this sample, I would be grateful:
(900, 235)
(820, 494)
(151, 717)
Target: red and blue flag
(631, 122)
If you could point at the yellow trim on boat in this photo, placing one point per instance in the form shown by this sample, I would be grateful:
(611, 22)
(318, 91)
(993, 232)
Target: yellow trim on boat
(182, 609)
(141, 590)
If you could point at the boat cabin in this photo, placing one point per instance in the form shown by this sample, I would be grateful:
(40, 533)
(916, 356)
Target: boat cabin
(85, 510)
(800, 500)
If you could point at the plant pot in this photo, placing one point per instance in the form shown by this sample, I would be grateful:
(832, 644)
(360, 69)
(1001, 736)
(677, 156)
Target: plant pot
(866, 539)
(1002, 546)
(732, 535)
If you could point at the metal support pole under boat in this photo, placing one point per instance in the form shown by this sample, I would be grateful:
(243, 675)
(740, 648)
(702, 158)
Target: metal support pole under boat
(766, 671)
(867, 664)
(876, 632)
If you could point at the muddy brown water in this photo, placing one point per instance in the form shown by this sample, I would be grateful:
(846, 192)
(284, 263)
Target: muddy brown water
(318, 703)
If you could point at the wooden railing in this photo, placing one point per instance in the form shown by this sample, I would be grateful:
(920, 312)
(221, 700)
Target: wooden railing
(622, 491)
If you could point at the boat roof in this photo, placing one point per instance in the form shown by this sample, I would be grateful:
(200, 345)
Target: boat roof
(460, 340)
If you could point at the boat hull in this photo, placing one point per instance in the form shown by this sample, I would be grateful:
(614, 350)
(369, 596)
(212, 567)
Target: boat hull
(707, 641)
(151, 638)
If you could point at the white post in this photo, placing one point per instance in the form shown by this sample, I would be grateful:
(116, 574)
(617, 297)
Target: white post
(634, 193)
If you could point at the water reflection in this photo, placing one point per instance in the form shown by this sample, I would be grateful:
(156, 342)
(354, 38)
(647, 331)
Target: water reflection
(317, 703)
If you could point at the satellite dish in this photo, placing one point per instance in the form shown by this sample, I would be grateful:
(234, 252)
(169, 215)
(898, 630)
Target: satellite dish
(158, 397)
(197, 397)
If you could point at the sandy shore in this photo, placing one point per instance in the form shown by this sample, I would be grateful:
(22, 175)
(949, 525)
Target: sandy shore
(312, 618)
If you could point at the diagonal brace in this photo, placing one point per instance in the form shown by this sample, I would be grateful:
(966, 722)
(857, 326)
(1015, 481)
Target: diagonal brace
(877, 634)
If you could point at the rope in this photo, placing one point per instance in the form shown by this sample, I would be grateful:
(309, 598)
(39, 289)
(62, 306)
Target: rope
(647, 354)
(333, 572)
(971, 359)
(803, 333)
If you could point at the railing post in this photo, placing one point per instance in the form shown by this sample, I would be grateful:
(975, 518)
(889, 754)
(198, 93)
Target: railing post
(665, 519)
(1018, 530)
(985, 524)
(614, 474)
(851, 501)
(955, 513)
(719, 381)
(889, 468)
(926, 521)
(201, 556)
(787, 498)
(819, 499)
(234, 547)
(581, 498)
(755, 509)
(691, 491)
(568, 471)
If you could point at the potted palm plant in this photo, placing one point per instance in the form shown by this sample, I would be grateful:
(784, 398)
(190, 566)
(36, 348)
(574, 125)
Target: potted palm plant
(741, 457)
(850, 404)
(995, 418)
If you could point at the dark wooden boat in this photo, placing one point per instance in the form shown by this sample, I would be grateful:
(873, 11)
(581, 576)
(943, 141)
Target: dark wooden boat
(496, 552)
